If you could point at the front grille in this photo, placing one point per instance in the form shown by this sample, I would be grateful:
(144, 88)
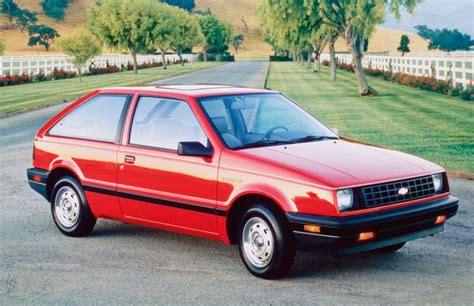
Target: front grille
(399, 191)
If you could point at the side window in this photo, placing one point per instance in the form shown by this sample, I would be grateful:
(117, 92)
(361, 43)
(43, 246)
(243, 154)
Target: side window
(163, 123)
(95, 119)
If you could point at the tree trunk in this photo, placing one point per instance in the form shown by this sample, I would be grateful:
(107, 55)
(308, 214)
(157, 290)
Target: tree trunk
(309, 57)
(332, 57)
(354, 47)
(134, 59)
(180, 57)
(163, 58)
(79, 72)
(204, 52)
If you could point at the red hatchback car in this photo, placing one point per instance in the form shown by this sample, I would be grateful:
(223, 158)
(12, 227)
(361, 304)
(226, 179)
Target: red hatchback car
(243, 166)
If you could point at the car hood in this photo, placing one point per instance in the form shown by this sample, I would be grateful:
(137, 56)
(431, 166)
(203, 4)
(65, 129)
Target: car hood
(342, 163)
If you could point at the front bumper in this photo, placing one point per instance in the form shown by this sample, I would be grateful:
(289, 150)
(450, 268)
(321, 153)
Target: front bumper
(339, 235)
(37, 179)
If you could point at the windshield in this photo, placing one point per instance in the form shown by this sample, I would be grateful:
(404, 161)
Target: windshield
(253, 120)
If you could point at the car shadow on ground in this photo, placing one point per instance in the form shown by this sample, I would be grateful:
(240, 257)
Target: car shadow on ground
(306, 266)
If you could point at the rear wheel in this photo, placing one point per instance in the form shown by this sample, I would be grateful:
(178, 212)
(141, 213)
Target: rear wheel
(390, 248)
(69, 208)
(266, 244)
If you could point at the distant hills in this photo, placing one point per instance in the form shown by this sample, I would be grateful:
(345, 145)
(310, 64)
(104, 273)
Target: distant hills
(240, 13)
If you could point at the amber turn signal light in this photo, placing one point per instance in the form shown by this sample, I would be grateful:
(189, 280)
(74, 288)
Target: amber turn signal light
(440, 219)
(312, 228)
(366, 236)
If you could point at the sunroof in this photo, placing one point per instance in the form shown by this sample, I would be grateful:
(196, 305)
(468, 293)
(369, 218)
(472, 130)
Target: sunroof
(191, 87)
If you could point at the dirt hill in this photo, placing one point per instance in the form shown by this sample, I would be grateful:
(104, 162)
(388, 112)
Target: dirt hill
(240, 13)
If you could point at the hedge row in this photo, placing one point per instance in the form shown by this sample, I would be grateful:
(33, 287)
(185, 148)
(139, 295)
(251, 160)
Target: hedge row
(224, 57)
(58, 74)
(421, 82)
(279, 58)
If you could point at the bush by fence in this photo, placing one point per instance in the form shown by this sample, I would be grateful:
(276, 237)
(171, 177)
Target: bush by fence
(58, 74)
(427, 83)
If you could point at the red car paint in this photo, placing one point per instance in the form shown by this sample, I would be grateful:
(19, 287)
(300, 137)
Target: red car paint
(299, 178)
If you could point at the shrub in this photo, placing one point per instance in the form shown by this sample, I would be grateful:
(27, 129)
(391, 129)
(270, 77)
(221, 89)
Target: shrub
(279, 58)
(103, 70)
(467, 94)
(226, 58)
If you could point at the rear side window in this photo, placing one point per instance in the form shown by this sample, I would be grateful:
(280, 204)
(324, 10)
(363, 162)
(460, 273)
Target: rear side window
(96, 119)
(163, 123)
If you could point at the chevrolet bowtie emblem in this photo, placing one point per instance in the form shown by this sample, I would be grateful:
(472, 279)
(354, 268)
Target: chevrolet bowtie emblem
(403, 191)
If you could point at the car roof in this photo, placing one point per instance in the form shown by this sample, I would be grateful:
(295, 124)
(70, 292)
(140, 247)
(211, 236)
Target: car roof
(194, 90)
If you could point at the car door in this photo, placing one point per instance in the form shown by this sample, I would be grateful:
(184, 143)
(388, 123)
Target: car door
(158, 187)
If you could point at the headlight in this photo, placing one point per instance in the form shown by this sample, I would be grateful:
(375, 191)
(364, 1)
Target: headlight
(344, 199)
(437, 182)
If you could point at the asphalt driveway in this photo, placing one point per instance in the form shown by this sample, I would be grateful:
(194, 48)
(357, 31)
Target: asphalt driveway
(121, 263)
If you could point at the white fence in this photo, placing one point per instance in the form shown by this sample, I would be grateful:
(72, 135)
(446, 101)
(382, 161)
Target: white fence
(458, 66)
(11, 65)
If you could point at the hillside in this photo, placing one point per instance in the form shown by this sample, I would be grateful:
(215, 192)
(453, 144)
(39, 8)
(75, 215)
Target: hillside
(240, 13)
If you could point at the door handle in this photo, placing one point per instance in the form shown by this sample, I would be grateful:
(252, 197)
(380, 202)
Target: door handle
(129, 159)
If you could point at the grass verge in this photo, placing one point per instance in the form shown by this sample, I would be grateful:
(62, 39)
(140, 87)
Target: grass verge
(429, 125)
(21, 97)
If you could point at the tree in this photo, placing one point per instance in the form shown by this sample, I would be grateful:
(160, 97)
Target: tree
(124, 25)
(2, 46)
(41, 35)
(404, 42)
(217, 34)
(292, 25)
(187, 5)
(237, 42)
(54, 8)
(445, 39)
(165, 30)
(24, 18)
(188, 34)
(82, 46)
(356, 20)
(424, 31)
(9, 7)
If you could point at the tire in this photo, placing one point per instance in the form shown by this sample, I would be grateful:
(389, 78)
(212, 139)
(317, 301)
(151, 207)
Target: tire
(69, 208)
(266, 244)
(390, 248)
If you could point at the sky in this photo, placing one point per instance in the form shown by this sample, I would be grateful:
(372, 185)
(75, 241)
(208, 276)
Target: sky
(451, 14)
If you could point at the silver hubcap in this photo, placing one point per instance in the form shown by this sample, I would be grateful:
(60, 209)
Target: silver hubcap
(258, 243)
(66, 206)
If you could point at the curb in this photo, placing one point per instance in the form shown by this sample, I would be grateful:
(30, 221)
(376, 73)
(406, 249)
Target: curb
(461, 175)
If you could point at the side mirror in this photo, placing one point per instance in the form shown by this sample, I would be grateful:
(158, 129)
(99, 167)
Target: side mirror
(335, 131)
(193, 148)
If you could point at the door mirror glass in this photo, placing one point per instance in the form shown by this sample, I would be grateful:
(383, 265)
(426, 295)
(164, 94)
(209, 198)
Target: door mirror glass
(193, 148)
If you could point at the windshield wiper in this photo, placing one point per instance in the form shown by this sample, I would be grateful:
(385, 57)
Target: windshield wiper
(311, 138)
(262, 143)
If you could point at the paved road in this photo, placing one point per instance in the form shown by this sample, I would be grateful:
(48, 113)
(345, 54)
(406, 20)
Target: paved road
(121, 263)
(247, 73)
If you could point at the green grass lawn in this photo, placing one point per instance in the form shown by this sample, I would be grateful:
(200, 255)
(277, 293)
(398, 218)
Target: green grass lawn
(21, 97)
(429, 125)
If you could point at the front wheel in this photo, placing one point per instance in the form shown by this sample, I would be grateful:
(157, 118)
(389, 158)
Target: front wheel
(266, 244)
(69, 208)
